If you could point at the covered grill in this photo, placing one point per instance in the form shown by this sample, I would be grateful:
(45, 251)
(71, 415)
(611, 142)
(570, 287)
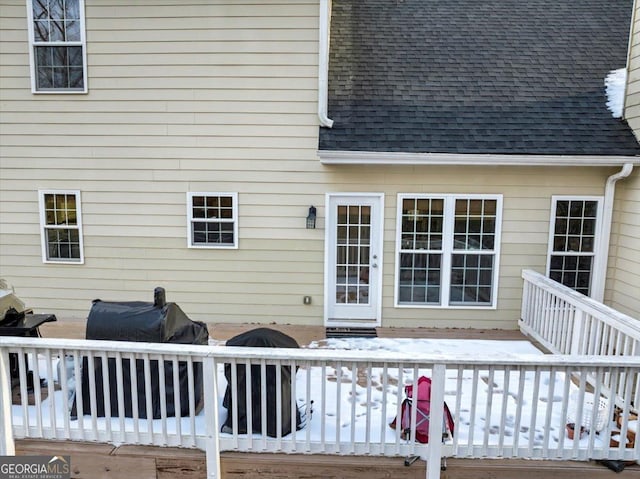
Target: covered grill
(157, 322)
(269, 338)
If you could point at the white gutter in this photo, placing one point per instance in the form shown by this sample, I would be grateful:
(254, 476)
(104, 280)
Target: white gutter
(323, 64)
(602, 256)
(329, 157)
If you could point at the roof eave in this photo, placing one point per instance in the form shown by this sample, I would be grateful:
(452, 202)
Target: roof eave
(336, 157)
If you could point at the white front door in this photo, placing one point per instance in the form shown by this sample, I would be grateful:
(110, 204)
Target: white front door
(353, 267)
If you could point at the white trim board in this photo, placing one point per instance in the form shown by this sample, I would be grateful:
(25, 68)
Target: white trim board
(328, 157)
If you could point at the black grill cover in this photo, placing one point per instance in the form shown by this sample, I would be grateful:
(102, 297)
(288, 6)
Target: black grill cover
(145, 322)
(262, 338)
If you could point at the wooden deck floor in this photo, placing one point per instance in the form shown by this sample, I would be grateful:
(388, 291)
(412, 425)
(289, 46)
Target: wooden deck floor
(103, 461)
(75, 329)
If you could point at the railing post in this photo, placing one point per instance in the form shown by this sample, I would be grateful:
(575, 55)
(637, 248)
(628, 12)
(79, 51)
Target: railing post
(436, 417)
(7, 446)
(210, 393)
(578, 331)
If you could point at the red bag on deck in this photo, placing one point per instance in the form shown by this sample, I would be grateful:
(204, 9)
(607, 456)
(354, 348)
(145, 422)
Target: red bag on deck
(423, 405)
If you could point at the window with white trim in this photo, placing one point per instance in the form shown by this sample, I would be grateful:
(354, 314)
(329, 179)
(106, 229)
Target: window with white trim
(61, 226)
(573, 238)
(57, 46)
(448, 250)
(213, 220)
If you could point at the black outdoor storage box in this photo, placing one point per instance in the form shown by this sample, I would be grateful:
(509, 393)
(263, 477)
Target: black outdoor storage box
(156, 322)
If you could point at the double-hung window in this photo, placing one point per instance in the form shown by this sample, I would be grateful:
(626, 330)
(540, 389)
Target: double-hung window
(448, 250)
(575, 222)
(212, 220)
(57, 46)
(61, 226)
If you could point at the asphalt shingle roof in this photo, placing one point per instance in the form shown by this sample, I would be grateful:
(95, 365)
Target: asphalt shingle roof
(469, 76)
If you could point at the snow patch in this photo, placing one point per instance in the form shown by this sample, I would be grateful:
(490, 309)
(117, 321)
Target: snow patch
(614, 85)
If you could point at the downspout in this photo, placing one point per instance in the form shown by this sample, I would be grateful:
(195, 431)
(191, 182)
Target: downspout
(602, 258)
(323, 64)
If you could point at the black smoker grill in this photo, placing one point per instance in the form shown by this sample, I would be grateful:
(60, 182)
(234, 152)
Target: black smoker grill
(157, 322)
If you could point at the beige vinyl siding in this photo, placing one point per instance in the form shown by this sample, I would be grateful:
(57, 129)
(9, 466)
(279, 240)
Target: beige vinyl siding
(217, 96)
(623, 291)
(632, 99)
(183, 96)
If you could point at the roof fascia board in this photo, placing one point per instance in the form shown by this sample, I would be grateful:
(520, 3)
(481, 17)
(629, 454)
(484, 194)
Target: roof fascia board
(330, 157)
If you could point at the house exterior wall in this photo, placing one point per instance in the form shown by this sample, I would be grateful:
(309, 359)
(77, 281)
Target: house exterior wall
(213, 96)
(624, 271)
(632, 98)
(623, 278)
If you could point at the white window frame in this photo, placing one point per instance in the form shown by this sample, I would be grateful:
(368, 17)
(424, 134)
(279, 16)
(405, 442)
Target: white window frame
(448, 251)
(44, 226)
(596, 239)
(191, 220)
(33, 44)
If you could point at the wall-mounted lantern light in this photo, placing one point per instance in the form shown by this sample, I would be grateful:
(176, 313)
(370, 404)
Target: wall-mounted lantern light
(311, 218)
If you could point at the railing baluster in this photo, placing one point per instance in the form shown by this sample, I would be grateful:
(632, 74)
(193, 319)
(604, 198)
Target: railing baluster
(549, 409)
(338, 405)
(293, 404)
(63, 379)
(79, 400)
(93, 404)
(487, 413)
(385, 394)
(263, 404)
(53, 432)
(457, 409)
(148, 393)
(354, 401)
(522, 373)
(323, 408)
(399, 389)
(308, 407)
(120, 395)
(248, 401)
(279, 401)
(192, 402)
(7, 444)
(177, 403)
(163, 398)
(367, 434)
(503, 410)
(472, 412)
(135, 405)
(106, 395)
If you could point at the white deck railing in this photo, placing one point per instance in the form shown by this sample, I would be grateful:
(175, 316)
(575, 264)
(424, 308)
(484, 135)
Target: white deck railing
(567, 322)
(516, 406)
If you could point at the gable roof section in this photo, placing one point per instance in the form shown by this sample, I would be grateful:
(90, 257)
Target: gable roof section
(490, 77)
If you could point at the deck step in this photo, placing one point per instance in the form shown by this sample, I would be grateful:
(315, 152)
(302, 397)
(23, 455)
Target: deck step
(351, 333)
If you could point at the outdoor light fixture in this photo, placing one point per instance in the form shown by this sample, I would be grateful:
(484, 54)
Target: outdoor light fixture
(311, 218)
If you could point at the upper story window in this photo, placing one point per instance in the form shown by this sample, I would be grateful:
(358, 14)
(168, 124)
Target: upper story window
(213, 220)
(61, 226)
(448, 249)
(57, 46)
(575, 222)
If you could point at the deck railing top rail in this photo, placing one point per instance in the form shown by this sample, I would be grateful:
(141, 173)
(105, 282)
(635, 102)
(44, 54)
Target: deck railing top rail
(314, 356)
